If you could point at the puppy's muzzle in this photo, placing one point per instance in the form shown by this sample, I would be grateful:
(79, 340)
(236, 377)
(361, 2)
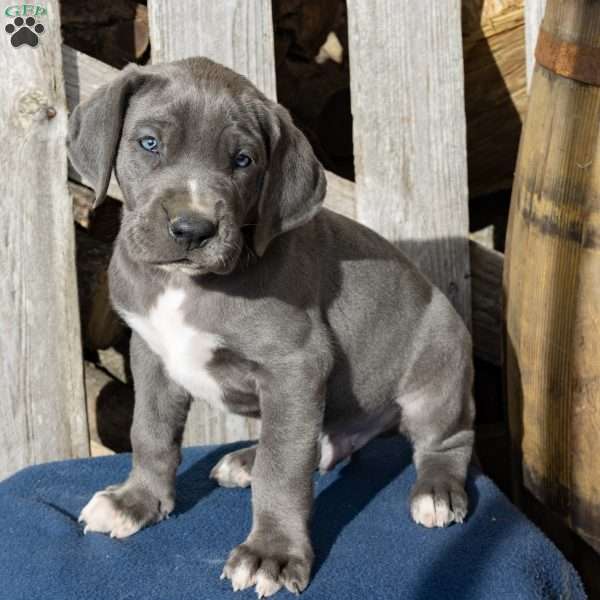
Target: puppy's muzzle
(191, 230)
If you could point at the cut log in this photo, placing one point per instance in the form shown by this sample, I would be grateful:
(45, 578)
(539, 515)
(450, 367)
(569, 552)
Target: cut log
(495, 90)
(115, 32)
(110, 409)
(103, 222)
(303, 25)
(83, 199)
(100, 325)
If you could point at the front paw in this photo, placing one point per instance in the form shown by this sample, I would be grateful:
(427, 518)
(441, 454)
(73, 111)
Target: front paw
(438, 502)
(269, 566)
(122, 510)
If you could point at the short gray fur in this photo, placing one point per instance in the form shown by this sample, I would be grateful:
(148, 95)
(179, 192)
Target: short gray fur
(326, 330)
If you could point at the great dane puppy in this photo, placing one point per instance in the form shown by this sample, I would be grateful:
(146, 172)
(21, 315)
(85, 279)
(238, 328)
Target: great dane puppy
(242, 290)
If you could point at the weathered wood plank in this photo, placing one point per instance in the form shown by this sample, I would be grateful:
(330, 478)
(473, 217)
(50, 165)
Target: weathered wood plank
(42, 402)
(83, 75)
(238, 34)
(408, 111)
(340, 195)
(534, 13)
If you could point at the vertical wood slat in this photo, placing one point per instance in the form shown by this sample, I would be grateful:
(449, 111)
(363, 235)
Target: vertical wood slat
(238, 34)
(407, 93)
(235, 33)
(534, 13)
(42, 403)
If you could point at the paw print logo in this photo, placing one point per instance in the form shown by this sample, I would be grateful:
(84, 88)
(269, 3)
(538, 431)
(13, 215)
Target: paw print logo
(24, 31)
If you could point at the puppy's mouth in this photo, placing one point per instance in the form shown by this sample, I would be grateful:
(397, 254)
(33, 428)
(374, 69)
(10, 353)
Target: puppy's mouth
(187, 266)
(183, 264)
(219, 262)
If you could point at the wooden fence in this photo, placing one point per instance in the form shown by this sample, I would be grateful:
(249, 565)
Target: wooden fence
(42, 403)
(411, 186)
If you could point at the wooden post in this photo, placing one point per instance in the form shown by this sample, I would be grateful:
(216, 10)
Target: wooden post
(552, 272)
(238, 34)
(42, 402)
(406, 70)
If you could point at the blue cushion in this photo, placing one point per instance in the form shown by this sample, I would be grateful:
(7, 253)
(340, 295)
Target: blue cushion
(366, 545)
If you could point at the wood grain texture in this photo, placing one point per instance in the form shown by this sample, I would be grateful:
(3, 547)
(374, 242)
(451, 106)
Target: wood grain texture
(238, 34)
(42, 403)
(552, 282)
(495, 91)
(534, 13)
(83, 75)
(340, 195)
(409, 134)
(568, 59)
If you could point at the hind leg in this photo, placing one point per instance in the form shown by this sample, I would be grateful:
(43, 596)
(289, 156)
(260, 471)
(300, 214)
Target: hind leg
(235, 468)
(438, 419)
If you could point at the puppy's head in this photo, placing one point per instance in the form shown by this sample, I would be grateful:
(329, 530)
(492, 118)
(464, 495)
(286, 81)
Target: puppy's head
(199, 154)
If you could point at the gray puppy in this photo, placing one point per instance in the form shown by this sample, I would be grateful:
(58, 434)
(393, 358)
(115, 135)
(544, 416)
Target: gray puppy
(241, 290)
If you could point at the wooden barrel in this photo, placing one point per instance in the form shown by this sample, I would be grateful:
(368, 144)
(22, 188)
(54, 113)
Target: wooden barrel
(552, 273)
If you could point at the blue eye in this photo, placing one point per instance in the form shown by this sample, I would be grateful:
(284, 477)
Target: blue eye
(149, 143)
(241, 161)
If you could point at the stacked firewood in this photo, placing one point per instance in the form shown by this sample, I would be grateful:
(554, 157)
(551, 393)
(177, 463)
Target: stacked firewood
(109, 388)
(114, 32)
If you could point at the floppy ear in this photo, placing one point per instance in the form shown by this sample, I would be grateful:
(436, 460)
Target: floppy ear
(95, 130)
(294, 185)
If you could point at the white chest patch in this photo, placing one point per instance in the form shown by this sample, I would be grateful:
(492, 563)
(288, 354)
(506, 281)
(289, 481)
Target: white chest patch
(185, 351)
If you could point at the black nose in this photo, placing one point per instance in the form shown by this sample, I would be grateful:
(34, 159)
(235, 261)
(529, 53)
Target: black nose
(193, 230)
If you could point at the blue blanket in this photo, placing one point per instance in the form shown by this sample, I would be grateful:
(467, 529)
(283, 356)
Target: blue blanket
(367, 547)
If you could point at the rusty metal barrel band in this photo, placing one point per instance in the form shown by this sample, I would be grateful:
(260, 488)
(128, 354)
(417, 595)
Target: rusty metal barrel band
(574, 61)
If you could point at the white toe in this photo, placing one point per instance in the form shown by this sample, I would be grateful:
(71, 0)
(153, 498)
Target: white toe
(431, 510)
(423, 510)
(101, 515)
(229, 473)
(241, 578)
(265, 586)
